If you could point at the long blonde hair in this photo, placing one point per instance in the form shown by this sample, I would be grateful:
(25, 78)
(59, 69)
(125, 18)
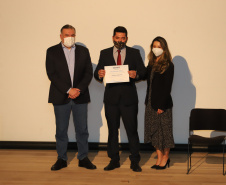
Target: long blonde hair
(163, 63)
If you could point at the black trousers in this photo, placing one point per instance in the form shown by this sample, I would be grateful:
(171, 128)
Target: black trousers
(129, 118)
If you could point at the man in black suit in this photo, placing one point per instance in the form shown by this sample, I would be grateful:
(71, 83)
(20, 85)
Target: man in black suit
(69, 69)
(120, 99)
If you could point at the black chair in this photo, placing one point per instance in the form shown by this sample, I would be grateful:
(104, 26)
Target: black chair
(206, 119)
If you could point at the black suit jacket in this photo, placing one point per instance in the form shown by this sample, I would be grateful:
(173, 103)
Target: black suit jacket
(58, 74)
(160, 88)
(124, 93)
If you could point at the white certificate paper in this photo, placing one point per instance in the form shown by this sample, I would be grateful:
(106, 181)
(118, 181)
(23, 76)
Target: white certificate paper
(116, 74)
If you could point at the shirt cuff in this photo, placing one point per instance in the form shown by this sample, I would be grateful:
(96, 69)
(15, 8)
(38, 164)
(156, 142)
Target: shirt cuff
(68, 91)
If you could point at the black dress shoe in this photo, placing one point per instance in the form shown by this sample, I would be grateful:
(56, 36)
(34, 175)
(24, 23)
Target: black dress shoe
(155, 166)
(86, 163)
(60, 163)
(112, 165)
(135, 167)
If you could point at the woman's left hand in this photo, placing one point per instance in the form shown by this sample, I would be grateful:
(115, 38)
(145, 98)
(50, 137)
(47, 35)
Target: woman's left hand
(159, 111)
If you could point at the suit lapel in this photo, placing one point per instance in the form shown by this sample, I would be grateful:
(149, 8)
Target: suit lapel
(77, 55)
(111, 58)
(126, 62)
(77, 61)
(62, 59)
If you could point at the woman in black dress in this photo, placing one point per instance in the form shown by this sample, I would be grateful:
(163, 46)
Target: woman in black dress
(158, 112)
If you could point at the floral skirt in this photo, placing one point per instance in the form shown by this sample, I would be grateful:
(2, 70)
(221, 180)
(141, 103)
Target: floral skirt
(158, 129)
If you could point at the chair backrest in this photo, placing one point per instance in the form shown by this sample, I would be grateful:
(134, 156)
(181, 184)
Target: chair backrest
(208, 119)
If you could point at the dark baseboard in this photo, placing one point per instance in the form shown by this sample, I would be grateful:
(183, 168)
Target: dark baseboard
(97, 146)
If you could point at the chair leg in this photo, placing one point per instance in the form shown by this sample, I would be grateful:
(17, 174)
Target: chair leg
(190, 148)
(188, 158)
(223, 157)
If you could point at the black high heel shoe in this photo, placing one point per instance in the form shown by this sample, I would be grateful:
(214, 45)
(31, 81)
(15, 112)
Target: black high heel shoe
(163, 167)
(154, 166)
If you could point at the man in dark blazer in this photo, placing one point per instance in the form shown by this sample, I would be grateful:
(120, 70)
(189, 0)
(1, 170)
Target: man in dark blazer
(69, 69)
(120, 99)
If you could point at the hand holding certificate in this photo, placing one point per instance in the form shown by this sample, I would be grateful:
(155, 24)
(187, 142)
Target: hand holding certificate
(116, 73)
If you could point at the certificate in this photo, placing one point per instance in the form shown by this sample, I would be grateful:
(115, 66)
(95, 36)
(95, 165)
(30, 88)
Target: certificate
(116, 74)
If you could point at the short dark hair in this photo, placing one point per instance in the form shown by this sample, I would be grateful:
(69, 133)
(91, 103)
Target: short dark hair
(120, 29)
(67, 26)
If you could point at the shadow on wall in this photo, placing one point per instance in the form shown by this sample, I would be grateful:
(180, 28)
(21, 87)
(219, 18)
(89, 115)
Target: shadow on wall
(184, 99)
(94, 110)
(141, 91)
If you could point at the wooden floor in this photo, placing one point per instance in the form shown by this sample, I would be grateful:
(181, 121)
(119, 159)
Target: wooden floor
(32, 167)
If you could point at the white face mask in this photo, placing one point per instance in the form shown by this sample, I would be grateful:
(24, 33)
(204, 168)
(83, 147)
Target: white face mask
(69, 41)
(157, 51)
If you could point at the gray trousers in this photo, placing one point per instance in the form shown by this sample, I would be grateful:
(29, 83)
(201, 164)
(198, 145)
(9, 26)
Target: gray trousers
(62, 114)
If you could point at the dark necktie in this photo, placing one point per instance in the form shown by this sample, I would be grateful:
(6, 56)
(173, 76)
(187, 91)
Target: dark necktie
(119, 58)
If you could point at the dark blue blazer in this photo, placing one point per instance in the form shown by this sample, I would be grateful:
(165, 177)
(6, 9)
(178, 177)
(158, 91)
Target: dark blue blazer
(123, 93)
(58, 73)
